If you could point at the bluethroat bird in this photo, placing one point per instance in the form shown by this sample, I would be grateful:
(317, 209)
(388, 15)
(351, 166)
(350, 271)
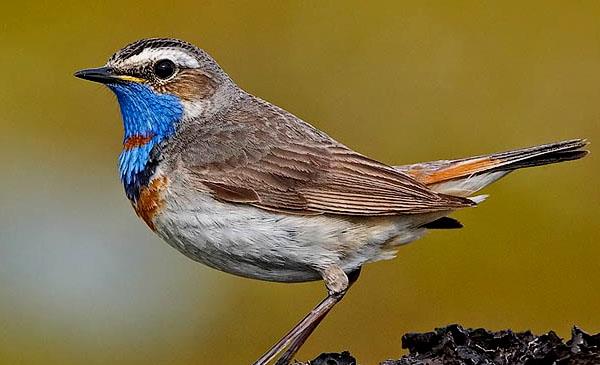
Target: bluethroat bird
(243, 186)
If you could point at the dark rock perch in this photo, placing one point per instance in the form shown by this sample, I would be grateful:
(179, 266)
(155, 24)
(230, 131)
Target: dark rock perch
(454, 345)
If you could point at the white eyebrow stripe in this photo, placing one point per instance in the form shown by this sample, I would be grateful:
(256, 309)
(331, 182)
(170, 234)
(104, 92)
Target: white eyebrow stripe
(179, 57)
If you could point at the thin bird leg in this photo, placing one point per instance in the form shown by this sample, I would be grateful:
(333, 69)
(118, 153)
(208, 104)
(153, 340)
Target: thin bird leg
(337, 285)
(312, 316)
(299, 341)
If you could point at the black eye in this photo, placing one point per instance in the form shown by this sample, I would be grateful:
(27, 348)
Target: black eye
(164, 69)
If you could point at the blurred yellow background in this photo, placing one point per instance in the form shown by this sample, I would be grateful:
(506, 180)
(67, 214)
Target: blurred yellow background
(82, 281)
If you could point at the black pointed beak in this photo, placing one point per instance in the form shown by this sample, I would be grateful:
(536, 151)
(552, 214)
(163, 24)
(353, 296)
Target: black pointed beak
(104, 75)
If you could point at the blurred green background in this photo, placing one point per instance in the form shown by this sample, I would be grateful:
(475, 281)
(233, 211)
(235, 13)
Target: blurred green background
(83, 281)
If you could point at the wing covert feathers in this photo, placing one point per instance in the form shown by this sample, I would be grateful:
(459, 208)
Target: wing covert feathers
(341, 182)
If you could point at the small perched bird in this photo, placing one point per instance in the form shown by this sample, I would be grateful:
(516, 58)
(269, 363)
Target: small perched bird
(241, 185)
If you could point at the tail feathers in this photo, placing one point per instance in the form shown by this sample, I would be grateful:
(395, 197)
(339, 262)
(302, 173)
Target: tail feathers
(479, 198)
(443, 223)
(464, 177)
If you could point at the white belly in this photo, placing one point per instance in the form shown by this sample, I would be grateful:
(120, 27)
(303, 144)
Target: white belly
(252, 242)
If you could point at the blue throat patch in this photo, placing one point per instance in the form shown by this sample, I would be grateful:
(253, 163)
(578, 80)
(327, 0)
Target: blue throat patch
(149, 118)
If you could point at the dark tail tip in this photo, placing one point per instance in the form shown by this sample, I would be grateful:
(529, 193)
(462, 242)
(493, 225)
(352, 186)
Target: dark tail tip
(544, 154)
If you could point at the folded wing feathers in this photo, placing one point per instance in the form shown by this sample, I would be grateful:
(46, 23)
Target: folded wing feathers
(301, 179)
(279, 162)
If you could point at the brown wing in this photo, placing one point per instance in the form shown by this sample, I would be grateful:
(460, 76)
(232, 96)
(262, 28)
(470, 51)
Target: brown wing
(261, 155)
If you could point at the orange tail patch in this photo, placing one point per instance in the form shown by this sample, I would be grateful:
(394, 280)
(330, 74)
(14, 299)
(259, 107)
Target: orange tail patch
(454, 171)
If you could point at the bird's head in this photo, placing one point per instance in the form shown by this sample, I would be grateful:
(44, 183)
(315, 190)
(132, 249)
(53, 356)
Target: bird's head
(160, 81)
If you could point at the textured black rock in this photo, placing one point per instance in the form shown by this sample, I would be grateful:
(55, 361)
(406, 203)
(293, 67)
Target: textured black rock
(334, 359)
(454, 345)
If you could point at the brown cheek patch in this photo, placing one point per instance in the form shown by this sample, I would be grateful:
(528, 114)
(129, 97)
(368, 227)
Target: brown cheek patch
(136, 141)
(190, 85)
(150, 200)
